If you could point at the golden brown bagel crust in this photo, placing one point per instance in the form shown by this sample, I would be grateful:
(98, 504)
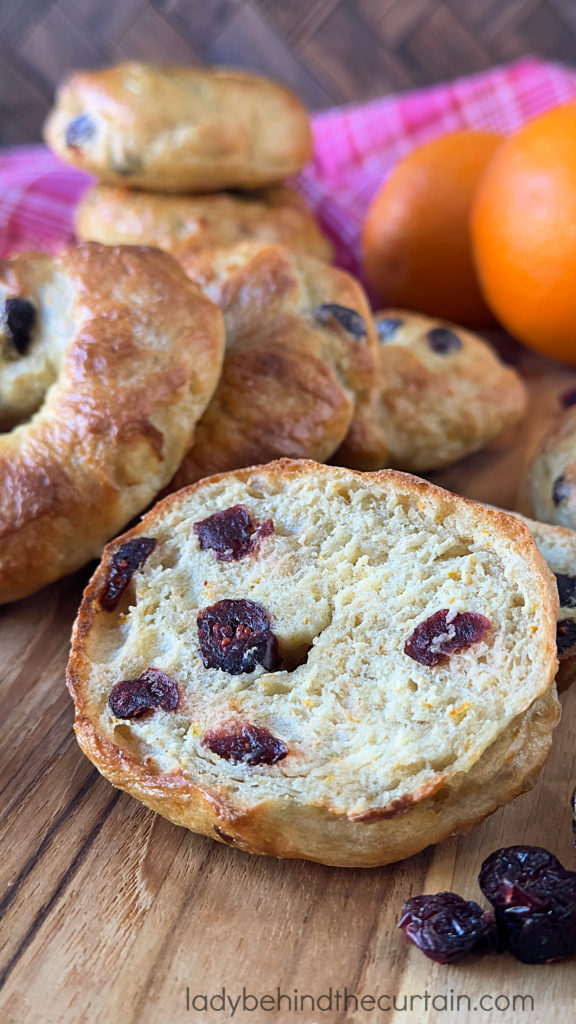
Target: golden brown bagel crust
(286, 825)
(292, 384)
(436, 406)
(179, 129)
(131, 355)
(187, 226)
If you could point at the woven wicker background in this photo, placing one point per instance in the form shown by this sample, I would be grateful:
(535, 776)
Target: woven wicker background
(329, 51)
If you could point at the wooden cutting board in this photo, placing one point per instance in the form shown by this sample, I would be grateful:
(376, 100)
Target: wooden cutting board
(113, 915)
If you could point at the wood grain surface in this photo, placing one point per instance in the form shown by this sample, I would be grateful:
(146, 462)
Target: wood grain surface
(329, 51)
(111, 915)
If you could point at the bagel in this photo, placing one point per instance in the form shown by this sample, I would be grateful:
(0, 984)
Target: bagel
(319, 663)
(187, 226)
(443, 394)
(179, 129)
(552, 475)
(299, 366)
(108, 357)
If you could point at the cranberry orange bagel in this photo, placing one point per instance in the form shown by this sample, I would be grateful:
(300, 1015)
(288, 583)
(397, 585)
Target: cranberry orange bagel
(187, 226)
(306, 661)
(300, 360)
(443, 393)
(108, 357)
(179, 129)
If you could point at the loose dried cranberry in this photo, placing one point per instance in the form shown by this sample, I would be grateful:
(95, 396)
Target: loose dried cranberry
(566, 638)
(568, 398)
(19, 316)
(387, 327)
(349, 319)
(534, 898)
(231, 534)
(125, 561)
(436, 637)
(248, 744)
(442, 340)
(236, 636)
(79, 130)
(560, 490)
(446, 927)
(566, 590)
(152, 689)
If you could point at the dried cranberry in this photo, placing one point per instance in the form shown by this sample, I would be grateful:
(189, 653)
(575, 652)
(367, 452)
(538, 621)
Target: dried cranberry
(235, 636)
(566, 638)
(442, 340)
(125, 561)
(437, 637)
(231, 534)
(349, 319)
(568, 398)
(560, 490)
(126, 164)
(152, 689)
(534, 898)
(566, 590)
(79, 130)
(446, 927)
(248, 744)
(387, 327)
(19, 315)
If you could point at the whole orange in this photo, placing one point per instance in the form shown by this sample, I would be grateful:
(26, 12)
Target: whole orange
(416, 236)
(524, 233)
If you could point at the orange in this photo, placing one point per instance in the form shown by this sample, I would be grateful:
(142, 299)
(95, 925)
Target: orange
(416, 236)
(524, 233)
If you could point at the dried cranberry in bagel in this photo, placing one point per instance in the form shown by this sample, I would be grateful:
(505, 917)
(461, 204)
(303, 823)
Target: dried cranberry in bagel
(441, 635)
(534, 899)
(231, 534)
(247, 744)
(152, 689)
(446, 927)
(566, 590)
(125, 561)
(235, 636)
(566, 638)
(387, 327)
(19, 316)
(442, 340)
(352, 322)
(568, 399)
(560, 490)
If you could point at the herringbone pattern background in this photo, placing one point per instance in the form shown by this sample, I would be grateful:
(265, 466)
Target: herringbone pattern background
(329, 51)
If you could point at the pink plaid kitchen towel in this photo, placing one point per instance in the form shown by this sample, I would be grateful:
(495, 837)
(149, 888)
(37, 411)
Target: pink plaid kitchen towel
(355, 148)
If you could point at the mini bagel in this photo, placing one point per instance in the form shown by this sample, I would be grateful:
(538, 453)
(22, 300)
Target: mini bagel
(299, 365)
(179, 129)
(187, 226)
(114, 355)
(443, 393)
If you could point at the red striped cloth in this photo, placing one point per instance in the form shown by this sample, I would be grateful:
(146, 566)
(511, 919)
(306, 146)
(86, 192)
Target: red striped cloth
(355, 148)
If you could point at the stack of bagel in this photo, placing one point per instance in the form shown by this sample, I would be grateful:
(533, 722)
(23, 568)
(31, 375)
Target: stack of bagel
(197, 329)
